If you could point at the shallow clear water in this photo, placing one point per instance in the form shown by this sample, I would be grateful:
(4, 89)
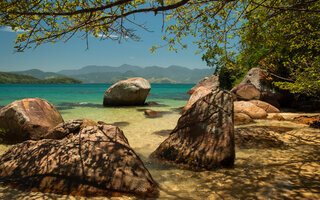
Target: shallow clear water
(60, 94)
(276, 173)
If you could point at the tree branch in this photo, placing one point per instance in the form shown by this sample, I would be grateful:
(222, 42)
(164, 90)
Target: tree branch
(101, 8)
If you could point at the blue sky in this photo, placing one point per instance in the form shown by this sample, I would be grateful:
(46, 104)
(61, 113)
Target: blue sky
(73, 54)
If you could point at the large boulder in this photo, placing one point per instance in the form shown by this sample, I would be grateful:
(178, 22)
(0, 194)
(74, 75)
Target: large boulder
(204, 135)
(95, 160)
(247, 92)
(255, 77)
(265, 106)
(255, 86)
(196, 95)
(27, 119)
(250, 109)
(210, 83)
(133, 91)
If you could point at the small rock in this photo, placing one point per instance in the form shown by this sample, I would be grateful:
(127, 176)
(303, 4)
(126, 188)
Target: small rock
(278, 117)
(242, 118)
(153, 113)
(163, 132)
(152, 103)
(306, 119)
(178, 109)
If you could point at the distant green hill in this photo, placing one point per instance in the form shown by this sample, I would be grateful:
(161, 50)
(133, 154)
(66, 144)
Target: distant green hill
(38, 74)
(6, 77)
(108, 74)
(155, 74)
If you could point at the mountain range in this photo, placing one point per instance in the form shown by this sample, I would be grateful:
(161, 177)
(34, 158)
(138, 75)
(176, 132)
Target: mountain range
(109, 74)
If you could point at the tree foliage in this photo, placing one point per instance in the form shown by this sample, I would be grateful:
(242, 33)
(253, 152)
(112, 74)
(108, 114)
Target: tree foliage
(53, 20)
(281, 36)
(210, 21)
(283, 42)
(287, 45)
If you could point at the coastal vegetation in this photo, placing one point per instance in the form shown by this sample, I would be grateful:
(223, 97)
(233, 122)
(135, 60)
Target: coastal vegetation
(16, 78)
(279, 36)
(285, 43)
(6, 77)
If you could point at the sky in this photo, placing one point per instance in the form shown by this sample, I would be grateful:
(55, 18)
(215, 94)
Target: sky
(74, 54)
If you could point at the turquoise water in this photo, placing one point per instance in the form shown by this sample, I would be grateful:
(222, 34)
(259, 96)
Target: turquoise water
(63, 94)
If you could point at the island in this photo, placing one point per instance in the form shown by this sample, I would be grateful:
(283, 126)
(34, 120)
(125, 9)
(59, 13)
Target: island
(6, 77)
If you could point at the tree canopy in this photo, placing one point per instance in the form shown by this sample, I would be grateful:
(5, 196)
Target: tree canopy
(211, 21)
(274, 34)
(283, 42)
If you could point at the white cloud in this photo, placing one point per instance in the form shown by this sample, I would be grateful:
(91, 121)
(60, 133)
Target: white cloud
(104, 36)
(113, 36)
(9, 29)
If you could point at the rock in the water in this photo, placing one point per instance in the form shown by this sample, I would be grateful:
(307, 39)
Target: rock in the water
(259, 137)
(133, 91)
(196, 95)
(153, 113)
(265, 106)
(211, 83)
(163, 132)
(242, 118)
(203, 137)
(152, 103)
(95, 161)
(28, 119)
(250, 109)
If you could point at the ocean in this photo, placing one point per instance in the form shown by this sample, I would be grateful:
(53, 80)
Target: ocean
(273, 173)
(60, 94)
